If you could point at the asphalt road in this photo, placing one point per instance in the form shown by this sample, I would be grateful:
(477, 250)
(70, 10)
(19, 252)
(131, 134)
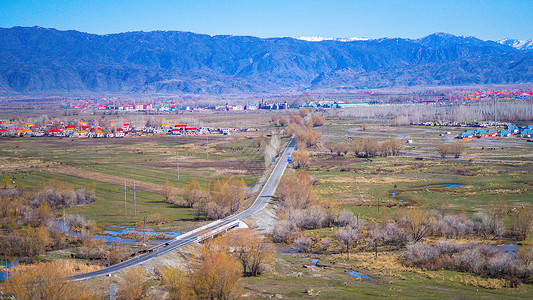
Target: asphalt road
(260, 202)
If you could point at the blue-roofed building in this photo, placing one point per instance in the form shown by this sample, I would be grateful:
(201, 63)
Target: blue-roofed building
(466, 135)
(492, 133)
(504, 133)
(481, 133)
(512, 129)
(526, 133)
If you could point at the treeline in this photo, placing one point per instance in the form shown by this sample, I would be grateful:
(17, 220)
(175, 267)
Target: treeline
(359, 147)
(455, 149)
(218, 199)
(405, 114)
(370, 147)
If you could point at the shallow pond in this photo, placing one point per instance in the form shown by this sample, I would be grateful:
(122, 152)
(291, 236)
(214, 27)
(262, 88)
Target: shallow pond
(445, 185)
(110, 236)
(357, 275)
(3, 275)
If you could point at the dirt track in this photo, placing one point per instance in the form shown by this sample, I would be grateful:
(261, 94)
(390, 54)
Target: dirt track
(111, 179)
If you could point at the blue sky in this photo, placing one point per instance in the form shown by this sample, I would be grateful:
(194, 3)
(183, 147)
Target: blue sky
(488, 19)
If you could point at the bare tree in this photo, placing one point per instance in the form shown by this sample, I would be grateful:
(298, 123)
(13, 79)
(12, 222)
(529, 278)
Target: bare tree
(349, 237)
(271, 150)
(417, 223)
(282, 231)
(300, 159)
(522, 222)
(193, 193)
(296, 119)
(371, 147)
(304, 242)
(216, 276)
(396, 145)
(251, 250)
(345, 218)
(358, 146)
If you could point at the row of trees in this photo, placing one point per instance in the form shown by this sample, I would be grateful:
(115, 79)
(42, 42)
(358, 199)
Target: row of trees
(455, 149)
(367, 147)
(219, 199)
(371, 147)
(405, 114)
(302, 118)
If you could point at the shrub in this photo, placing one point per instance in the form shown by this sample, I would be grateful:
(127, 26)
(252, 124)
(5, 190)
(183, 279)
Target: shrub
(345, 218)
(453, 226)
(67, 198)
(176, 281)
(304, 242)
(488, 224)
(300, 159)
(282, 231)
(317, 120)
(133, 284)
(349, 237)
(216, 276)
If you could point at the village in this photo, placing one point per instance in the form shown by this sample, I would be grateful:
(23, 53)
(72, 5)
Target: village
(112, 130)
(509, 131)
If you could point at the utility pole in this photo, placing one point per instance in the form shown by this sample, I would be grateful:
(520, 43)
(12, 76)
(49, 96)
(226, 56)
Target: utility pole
(178, 165)
(134, 202)
(494, 98)
(144, 228)
(5, 262)
(125, 209)
(207, 148)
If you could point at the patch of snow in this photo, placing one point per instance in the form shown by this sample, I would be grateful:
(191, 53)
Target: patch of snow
(518, 44)
(320, 39)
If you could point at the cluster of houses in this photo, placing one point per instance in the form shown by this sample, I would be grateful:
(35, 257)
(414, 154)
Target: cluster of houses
(82, 129)
(113, 130)
(510, 130)
(174, 108)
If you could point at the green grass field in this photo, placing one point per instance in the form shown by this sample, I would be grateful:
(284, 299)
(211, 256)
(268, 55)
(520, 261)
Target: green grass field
(289, 279)
(150, 161)
(490, 170)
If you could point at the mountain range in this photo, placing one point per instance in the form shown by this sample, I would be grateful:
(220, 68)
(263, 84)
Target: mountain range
(35, 60)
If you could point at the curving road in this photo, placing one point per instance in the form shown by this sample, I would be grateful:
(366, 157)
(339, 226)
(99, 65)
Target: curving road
(210, 229)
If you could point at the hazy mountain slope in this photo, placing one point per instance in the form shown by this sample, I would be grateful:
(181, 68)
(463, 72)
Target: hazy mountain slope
(39, 60)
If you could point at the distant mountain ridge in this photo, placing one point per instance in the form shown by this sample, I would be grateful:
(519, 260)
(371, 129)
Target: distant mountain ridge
(35, 60)
(522, 45)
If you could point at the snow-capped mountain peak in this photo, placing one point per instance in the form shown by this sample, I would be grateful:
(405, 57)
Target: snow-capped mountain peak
(522, 45)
